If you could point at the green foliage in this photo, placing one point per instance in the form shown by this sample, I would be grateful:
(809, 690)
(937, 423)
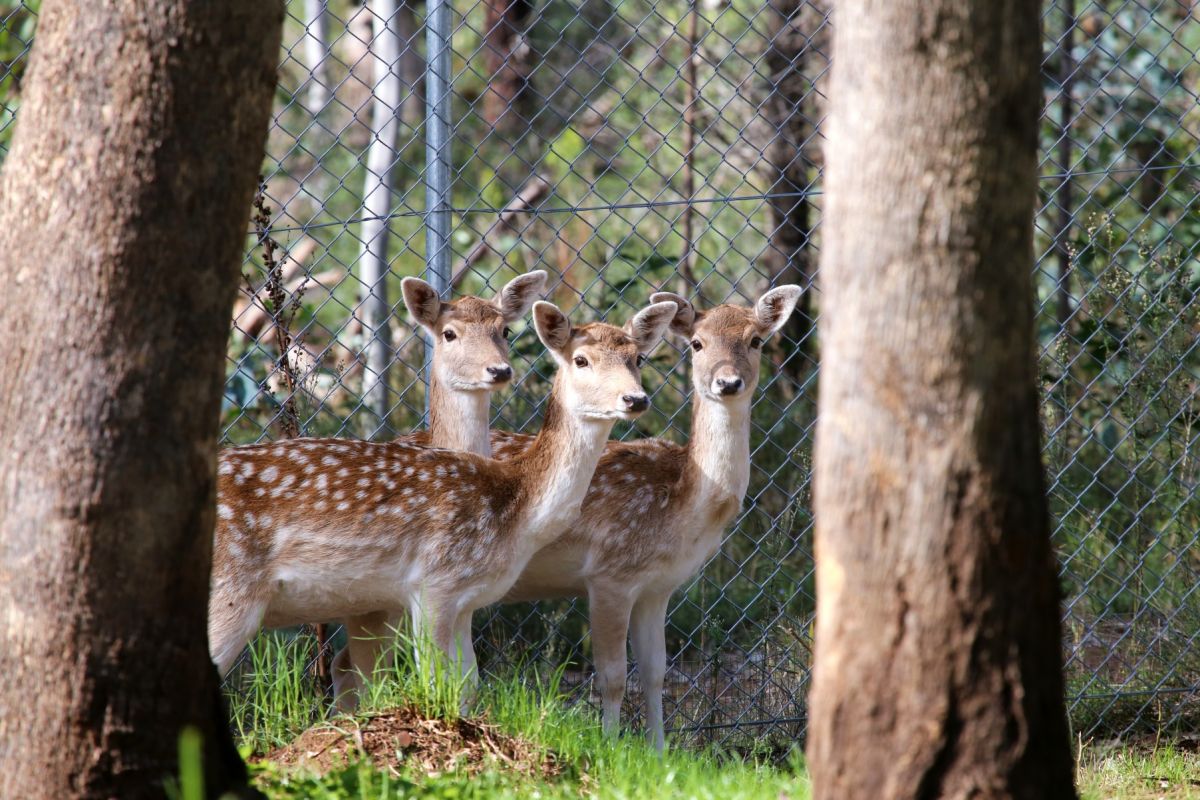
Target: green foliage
(273, 697)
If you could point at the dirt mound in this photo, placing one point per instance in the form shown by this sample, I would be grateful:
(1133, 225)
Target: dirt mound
(403, 739)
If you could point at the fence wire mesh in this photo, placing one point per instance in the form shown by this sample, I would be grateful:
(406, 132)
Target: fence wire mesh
(632, 145)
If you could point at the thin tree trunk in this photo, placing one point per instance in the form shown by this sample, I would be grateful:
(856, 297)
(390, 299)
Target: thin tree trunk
(797, 59)
(412, 66)
(1064, 197)
(938, 651)
(687, 283)
(374, 310)
(508, 59)
(316, 49)
(139, 138)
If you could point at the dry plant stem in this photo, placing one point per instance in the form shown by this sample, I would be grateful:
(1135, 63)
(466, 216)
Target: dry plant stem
(283, 312)
(687, 275)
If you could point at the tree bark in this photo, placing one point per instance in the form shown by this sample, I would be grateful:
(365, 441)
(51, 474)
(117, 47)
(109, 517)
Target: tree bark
(938, 650)
(797, 62)
(374, 309)
(509, 62)
(139, 139)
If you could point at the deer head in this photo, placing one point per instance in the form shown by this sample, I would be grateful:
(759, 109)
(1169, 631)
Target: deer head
(599, 364)
(470, 335)
(726, 341)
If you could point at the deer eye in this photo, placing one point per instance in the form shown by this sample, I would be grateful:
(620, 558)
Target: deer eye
(756, 342)
(580, 361)
(506, 333)
(641, 359)
(696, 346)
(449, 336)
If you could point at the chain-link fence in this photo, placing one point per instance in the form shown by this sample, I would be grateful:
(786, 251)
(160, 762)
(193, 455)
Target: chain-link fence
(631, 145)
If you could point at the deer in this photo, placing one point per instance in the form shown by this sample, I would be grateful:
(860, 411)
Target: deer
(322, 529)
(656, 511)
(470, 360)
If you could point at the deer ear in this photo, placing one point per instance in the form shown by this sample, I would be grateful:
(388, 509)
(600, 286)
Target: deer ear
(685, 317)
(519, 294)
(553, 328)
(422, 301)
(774, 307)
(648, 325)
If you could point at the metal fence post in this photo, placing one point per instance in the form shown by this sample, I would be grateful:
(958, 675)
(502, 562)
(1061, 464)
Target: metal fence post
(437, 159)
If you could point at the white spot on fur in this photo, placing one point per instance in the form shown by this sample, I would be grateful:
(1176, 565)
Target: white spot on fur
(329, 461)
(269, 474)
(344, 472)
(226, 468)
(343, 506)
(322, 482)
(283, 485)
(224, 511)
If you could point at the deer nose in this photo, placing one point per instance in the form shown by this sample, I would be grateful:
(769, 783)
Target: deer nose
(500, 374)
(635, 402)
(729, 385)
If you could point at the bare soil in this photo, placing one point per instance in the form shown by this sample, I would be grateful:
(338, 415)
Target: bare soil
(402, 741)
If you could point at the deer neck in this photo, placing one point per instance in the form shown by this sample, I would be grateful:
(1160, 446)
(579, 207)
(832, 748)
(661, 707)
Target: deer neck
(459, 420)
(556, 469)
(718, 452)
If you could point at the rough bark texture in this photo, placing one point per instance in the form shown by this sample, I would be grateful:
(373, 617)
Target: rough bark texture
(938, 657)
(125, 204)
(797, 61)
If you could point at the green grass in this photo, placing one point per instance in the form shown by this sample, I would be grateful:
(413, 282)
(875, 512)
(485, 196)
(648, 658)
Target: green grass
(278, 701)
(1164, 771)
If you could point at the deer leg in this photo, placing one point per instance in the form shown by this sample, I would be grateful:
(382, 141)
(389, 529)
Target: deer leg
(608, 611)
(466, 659)
(648, 632)
(363, 656)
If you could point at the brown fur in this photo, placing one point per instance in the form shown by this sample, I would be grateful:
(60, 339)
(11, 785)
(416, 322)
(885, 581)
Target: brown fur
(314, 529)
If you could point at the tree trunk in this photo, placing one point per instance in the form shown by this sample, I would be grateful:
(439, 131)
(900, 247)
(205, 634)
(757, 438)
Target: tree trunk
(374, 310)
(316, 51)
(139, 138)
(797, 62)
(509, 63)
(938, 650)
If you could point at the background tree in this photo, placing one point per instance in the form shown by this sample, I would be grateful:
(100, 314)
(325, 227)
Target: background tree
(938, 654)
(126, 199)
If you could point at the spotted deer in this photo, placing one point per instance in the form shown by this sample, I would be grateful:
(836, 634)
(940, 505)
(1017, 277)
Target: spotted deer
(470, 362)
(321, 529)
(656, 511)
